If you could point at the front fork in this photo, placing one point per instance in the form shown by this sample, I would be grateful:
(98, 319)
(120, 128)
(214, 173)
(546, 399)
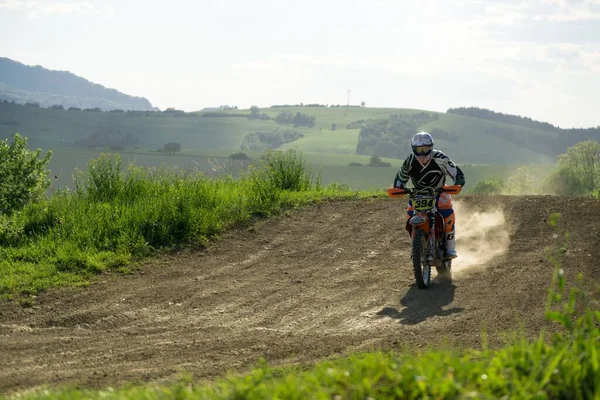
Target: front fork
(430, 254)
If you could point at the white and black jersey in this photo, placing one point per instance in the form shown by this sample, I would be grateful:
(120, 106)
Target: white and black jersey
(432, 175)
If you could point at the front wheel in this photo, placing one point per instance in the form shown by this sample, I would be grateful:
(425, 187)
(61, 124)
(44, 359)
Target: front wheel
(421, 268)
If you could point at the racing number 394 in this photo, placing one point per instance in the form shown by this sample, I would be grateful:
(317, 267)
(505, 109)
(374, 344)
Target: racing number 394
(425, 203)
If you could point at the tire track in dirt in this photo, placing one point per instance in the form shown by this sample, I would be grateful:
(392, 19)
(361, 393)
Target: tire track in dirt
(313, 283)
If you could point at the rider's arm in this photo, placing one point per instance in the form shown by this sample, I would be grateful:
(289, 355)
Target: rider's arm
(460, 177)
(450, 168)
(403, 174)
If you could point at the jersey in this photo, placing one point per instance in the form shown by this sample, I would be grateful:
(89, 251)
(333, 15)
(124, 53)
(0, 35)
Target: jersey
(432, 175)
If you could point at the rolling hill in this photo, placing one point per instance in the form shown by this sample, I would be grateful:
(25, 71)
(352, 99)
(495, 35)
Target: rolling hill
(472, 140)
(34, 84)
(483, 147)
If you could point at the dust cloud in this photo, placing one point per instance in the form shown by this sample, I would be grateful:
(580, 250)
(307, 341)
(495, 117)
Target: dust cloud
(481, 236)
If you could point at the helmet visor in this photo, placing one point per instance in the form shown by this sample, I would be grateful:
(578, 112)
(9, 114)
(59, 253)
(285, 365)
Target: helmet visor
(422, 150)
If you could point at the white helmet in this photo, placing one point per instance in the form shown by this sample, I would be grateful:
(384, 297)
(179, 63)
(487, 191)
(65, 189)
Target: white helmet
(422, 144)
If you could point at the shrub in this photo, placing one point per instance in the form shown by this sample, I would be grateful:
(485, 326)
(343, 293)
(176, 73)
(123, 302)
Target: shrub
(521, 182)
(238, 156)
(172, 147)
(288, 171)
(102, 179)
(375, 161)
(23, 175)
(493, 185)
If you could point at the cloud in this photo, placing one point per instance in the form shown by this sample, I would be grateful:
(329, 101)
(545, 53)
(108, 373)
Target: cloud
(570, 10)
(36, 8)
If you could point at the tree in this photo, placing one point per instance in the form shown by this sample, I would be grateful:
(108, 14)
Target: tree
(23, 175)
(578, 171)
(172, 147)
(254, 113)
(284, 118)
(301, 119)
(375, 161)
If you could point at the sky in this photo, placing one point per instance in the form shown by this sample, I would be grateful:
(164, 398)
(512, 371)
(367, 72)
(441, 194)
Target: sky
(534, 58)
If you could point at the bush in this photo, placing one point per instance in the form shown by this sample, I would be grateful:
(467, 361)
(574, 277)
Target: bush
(493, 185)
(102, 179)
(522, 182)
(299, 119)
(23, 175)
(288, 171)
(375, 161)
(238, 156)
(172, 147)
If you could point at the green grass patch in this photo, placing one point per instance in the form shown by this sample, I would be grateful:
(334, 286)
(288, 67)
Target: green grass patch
(114, 216)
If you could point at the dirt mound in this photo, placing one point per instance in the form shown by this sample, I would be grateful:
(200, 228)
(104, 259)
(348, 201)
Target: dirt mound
(320, 282)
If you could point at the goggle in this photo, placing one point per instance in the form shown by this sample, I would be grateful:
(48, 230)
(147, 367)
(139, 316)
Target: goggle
(422, 150)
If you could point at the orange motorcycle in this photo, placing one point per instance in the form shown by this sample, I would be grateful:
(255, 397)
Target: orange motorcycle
(427, 229)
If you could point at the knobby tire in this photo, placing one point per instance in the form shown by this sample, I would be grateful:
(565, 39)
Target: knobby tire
(419, 246)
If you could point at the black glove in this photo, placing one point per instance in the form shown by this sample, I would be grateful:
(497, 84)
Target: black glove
(460, 177)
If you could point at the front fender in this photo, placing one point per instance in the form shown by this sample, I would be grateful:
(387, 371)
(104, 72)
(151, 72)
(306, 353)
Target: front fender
(411, 227)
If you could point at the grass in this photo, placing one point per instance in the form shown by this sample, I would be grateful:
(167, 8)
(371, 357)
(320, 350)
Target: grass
(333, 167)
(114, 216)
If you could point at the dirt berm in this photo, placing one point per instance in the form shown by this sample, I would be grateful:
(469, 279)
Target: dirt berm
(320, 282)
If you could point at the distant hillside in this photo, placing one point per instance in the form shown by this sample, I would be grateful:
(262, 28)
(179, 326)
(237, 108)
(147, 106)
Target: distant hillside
(353, 134)
(484, 113)
(565, 137)
(34, 84)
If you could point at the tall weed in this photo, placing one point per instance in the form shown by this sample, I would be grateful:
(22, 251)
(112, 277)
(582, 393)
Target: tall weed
(289, 171)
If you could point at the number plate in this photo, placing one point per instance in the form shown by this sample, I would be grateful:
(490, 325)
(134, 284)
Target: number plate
(423, 203)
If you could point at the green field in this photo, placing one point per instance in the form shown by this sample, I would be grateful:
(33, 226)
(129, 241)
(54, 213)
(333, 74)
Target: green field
(332, 168)
(207, 141)
(54, 129)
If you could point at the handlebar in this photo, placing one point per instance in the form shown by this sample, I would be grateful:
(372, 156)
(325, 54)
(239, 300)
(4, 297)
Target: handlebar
(400, 192)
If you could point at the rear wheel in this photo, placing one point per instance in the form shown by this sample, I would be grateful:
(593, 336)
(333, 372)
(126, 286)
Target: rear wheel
(421, 269)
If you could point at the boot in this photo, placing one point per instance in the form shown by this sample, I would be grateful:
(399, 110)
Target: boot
(451, 246)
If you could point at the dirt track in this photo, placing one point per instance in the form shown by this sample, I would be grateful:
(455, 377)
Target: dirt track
(319, 282)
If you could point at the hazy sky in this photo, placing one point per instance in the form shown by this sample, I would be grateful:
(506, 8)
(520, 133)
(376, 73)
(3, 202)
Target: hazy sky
(536, 58)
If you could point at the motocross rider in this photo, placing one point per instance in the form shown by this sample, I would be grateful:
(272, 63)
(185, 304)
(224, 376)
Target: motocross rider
(427, 168)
